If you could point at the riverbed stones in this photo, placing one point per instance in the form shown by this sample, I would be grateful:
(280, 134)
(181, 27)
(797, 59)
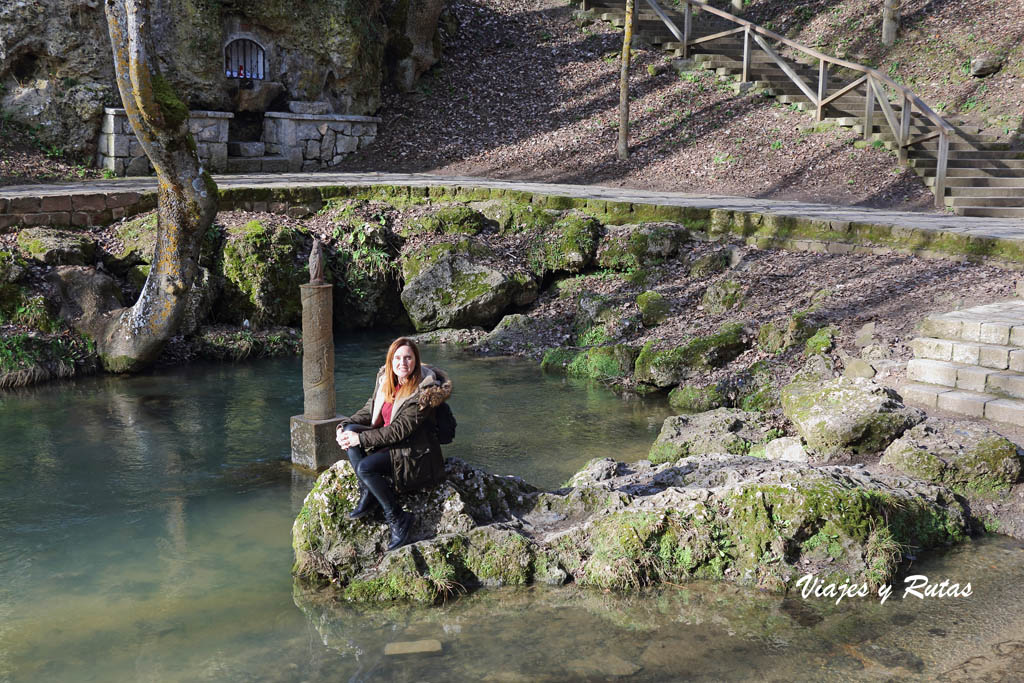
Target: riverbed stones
(460, 284)
(846, 416)
(622, 526)
(723, 430)
(966, 456)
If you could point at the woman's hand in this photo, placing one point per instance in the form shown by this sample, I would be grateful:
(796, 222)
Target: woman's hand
(348, 439)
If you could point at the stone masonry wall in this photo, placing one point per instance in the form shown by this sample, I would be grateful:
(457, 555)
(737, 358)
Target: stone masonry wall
(121, 152)
(315, 141)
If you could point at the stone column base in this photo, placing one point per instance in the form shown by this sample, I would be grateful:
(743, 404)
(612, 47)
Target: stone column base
(314, 444)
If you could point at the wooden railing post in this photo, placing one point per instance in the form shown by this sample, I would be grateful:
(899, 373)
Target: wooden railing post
(822, 87)
(746, 54)
(940, 171)
(905, 128)
(687, 30)
(869, 110)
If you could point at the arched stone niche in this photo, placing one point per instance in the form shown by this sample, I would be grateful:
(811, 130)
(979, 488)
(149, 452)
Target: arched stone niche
(254, 50)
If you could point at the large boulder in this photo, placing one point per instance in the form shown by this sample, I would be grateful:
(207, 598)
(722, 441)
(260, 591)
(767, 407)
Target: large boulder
(844, 416)
(630, 247)
(460, 284)
(85, 294)
(723, 430)
(567, 247)
(456, 219)
(623, 526)
(661, 367)
(57, 247)
(965, 456)
(262, 272)
(515, 333)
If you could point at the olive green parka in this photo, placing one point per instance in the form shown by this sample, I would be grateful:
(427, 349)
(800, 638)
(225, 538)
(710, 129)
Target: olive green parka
(412, 435)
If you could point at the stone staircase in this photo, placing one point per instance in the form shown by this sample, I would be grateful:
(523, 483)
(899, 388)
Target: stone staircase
(971, 362)
(985, 176)
(252, 157)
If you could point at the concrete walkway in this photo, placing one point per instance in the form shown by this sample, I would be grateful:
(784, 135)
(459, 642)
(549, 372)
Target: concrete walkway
(1004, 228)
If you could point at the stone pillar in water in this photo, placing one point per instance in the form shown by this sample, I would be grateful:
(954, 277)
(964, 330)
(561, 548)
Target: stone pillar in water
(313, 433)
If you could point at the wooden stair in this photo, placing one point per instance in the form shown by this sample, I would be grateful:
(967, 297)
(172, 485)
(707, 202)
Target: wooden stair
(985, 176)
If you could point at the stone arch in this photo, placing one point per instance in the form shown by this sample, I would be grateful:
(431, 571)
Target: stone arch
(245, 57)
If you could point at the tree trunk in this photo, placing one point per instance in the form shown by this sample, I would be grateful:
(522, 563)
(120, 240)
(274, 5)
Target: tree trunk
(890, 21)
(130, 339)
(627, 39)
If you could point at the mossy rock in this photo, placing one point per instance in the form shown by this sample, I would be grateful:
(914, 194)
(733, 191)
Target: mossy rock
(604, 363)
(967, 457)
(666, 367)
(771, 338)
(57, 247)
(447, 220)
(557, 360)
(452, 285)
(712, 263)
(722, 296)
(262, 273)
(138, 239)
(12, 267)
(137, 276)
(821, 341)
(515, 217)
(567, 247)
(722, 430)
(696, 399)
(654, 308)
(634, 247)
(514, 333)
(844, 416)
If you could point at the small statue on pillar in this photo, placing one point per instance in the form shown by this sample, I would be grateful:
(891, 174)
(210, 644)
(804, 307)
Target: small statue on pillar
(313, 440)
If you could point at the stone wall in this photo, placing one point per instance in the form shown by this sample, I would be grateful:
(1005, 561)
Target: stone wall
(118, 149)
(315, 141)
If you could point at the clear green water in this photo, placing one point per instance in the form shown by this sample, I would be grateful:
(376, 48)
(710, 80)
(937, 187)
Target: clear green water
(145, 536)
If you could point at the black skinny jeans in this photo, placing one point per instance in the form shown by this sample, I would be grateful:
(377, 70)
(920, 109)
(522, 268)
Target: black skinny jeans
(372, 470)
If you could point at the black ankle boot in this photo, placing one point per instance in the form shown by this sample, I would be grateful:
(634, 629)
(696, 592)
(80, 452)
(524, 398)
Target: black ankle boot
(400, 522)
(367, 503)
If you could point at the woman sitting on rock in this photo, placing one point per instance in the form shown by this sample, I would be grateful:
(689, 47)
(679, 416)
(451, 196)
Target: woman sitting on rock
(394, 435)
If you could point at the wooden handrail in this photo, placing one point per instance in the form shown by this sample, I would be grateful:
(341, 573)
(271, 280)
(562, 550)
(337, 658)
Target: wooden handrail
(874, 80)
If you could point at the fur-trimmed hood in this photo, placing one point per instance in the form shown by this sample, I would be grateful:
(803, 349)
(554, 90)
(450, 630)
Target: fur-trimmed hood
(433, 390)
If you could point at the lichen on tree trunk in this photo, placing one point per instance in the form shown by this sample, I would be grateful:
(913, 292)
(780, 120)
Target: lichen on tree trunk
(130, 339)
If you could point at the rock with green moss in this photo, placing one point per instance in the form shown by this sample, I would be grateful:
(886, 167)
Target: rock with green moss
(515, 217)
(847, 416)
(722, 296)
(711, 263)
(654, 308)
(456, 219)
(696, 398)
(967, 457)
(451, 335)
(632, 247)
(514, 333)
(138, 242)
(568, 246)
(460, 284)
(604, 363)
(821, 341)
(723, 430)
(262, 272)
(57, 247)
(667, 367)
(12, 267)
(621, 527)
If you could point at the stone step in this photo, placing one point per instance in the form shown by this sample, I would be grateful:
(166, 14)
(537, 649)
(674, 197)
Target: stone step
(989, 211)
(263, 164)
(246, 149)
(987, 201)
(985, 191)
(973, 403)
(1016, 165)
(978, 181)
(999, 323)
(994, 356)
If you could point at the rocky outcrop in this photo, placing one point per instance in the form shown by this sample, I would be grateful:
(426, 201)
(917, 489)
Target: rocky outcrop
(262, 273)
(414, 42)
(844, 416)
(664, 368)
(965, 456)
(623, 526)
(84, 295)
(628, 247)
(724, 430)
(460, 284)
(568, 246)
(57, 247)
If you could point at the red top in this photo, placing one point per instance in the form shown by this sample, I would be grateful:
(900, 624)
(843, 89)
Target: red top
(385, 412)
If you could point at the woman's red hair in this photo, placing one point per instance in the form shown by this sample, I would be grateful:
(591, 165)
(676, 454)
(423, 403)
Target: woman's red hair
(392, 390)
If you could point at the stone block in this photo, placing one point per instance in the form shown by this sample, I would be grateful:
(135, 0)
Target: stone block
(995, 333)
(963, 402)
(970, 331)
(1017, 360)
(118, 213)
(1017, 335)
(114, 164)
(244, 165)
(367, 140)
(135, 148)
(61, 202)
(840, 248)
(203, 150)
(210, 133)
(311, 165)
(789, 448)
(277, 207)
(921, 394)
(246, 149)
(9, 223)
(1007, 384)
(973, 378)
(116, 199)
(31, 220)
(314, 442)
(997, 357)
(80, 219)
(306, 130)
(259, 206)
(934, 349)
(110, 124)
(297, 107)
(932, 372)
(24, 205)
(346, 144)
(138, 166)
(1005, 410)
(3, 205)
(311, 151)
(218, 160)
(101, 146)
(942, 328)
(269, 132)
(119, 145)
(275, 165)
(966, 352)
(60, 219)
(413, 647)
(342, 128)
(327, 146)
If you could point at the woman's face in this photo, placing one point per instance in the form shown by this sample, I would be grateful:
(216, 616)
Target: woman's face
(403, 362)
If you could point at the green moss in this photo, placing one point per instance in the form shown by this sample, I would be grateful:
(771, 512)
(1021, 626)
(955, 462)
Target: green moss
(821, 341)
(557, 360)
(594, 336)
(654, 308)
(174, 110)
(770, 338)
(568, 246)
(263, 274)
(602, 362)
(448, 220)
(722, 296)
(710, 264)
(523, 218)
(667, 451)
(696, 399)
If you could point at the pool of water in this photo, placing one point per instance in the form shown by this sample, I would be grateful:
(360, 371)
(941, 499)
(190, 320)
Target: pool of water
(145, 535)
